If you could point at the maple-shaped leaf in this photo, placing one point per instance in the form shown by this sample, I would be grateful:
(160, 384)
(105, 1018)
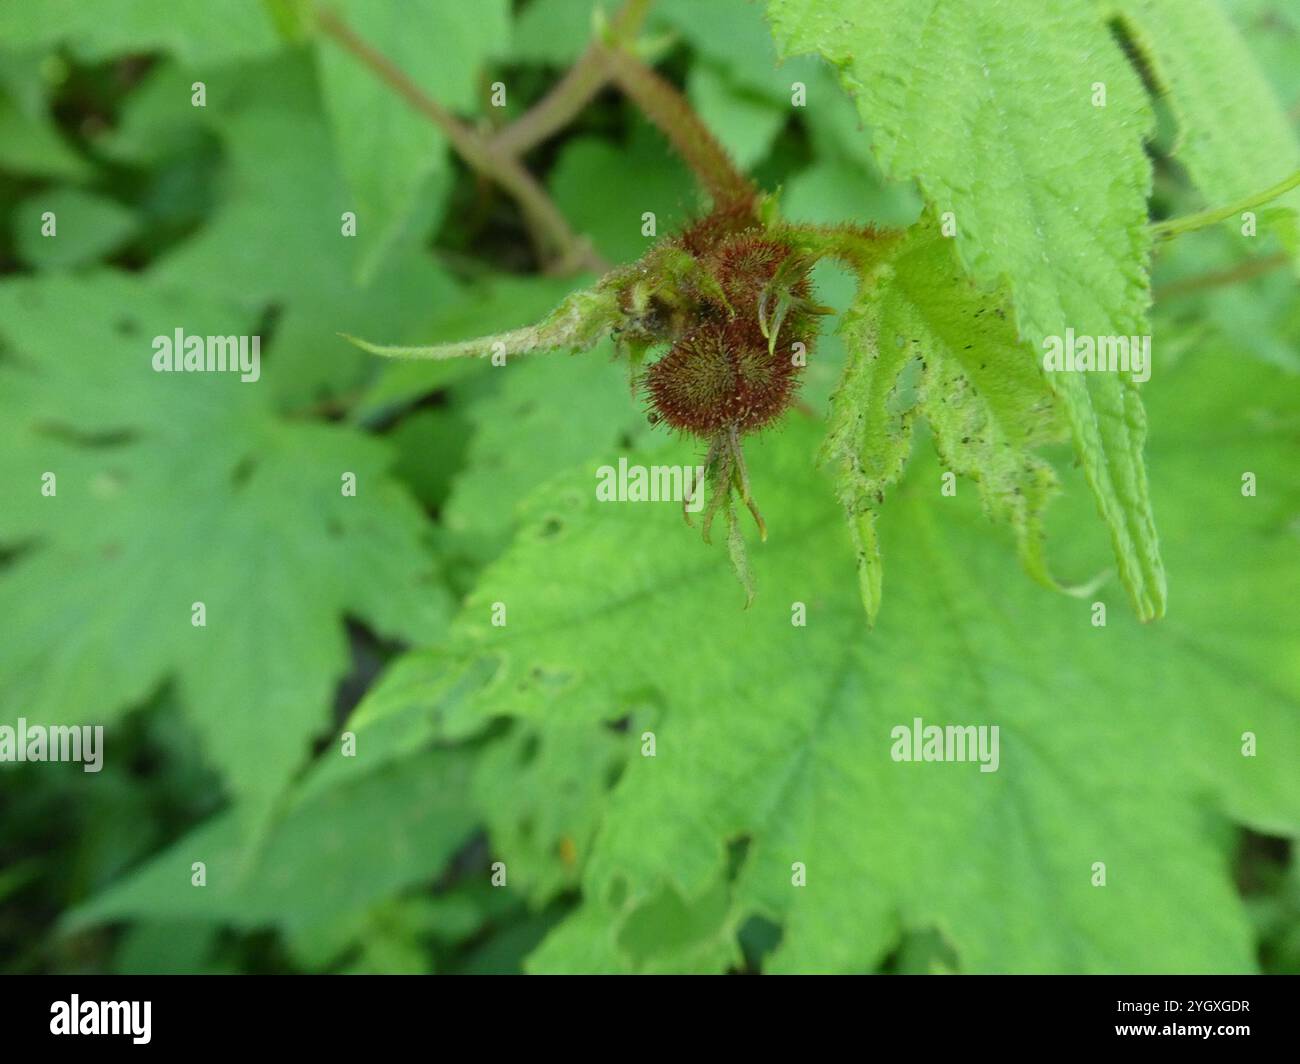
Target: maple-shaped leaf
(392, 828)
(134, 495)
(1097, 844)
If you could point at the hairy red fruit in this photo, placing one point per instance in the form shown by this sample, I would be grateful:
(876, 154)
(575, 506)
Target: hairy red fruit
(723, 371)
(702, 236)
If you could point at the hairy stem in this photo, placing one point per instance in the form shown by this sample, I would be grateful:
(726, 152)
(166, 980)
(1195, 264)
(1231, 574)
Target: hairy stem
(579, 86)
(1221, 278)
(677, 120)
(556, 241)
(858, 247)
(1202, 219)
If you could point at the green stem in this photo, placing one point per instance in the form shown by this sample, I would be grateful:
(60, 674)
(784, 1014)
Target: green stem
(1173, 226)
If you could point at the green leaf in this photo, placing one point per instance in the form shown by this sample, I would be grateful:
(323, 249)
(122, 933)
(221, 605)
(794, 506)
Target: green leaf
(260, 248)
(546, 416)
(29, 141)
(746, 124)
(732, 36)
(542, 792)
(924, 340)
(1273, 29)
(197, 31)
(1119, 744)
(555, 31)
(831, 191)
(177, 488)
(664, 935)
(1056, 206)
(394, 157)
(634, 178)
(1234, 138)
(168, 947)
(258, 245)
(292, 18)
(87, 227)
(430, 447)
(1258, 316)
(655, 766)
(393, 828)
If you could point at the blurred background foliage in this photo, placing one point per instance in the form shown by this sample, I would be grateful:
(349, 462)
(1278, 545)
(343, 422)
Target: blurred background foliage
(222, 746)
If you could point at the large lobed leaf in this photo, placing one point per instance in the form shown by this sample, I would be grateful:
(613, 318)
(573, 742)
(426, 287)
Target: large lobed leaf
(181, 488)
(1119, 744)
(390, 828)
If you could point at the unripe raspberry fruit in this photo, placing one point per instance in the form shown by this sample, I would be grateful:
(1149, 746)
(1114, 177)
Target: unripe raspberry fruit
(723, 370)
